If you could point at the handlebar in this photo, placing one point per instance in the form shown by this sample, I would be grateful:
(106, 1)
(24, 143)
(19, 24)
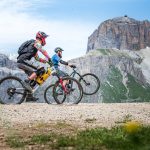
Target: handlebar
(73, 66)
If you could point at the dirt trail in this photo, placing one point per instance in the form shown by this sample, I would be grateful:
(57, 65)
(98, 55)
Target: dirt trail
(83, 115)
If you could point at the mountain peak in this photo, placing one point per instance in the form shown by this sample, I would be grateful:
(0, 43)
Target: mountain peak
(123, 33)
(124, 19)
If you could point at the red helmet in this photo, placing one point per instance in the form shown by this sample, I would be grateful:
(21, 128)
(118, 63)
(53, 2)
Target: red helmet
(42, 36)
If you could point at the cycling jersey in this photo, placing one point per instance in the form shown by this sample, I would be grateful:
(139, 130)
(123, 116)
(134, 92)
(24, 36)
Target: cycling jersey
(56, 60)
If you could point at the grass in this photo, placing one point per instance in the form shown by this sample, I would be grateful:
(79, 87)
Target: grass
(109, 52)
(15, 141)
(116, 138)
(41, 138)
(125, 119)
(114, 90)
(137, 90)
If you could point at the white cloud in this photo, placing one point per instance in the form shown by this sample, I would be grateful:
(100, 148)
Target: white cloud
(17, 26)
(22, 5)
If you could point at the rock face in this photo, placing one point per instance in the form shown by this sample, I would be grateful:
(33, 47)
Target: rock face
(6, 62)
(7, 66)
(123, 33)
(121, 73)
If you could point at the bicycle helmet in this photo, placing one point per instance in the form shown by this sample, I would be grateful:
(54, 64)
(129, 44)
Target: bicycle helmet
(42, 36)
(58, 49)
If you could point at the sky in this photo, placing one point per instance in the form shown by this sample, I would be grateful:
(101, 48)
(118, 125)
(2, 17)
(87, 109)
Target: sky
(68, 23)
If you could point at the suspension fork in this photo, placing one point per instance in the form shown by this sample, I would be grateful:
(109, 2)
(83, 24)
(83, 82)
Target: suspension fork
(82, 78)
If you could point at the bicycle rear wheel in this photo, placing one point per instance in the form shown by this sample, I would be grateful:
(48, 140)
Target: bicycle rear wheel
(74, 91)
(90, 83)
(11, 90)
(49, 98)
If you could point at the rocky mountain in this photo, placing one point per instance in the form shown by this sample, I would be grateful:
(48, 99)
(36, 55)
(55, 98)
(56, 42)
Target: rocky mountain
(124, 75)
(123, 33)
(7, 66)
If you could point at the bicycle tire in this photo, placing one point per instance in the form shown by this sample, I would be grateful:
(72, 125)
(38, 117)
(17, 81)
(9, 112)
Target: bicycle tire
(97, 83)
(47, 98)
(67, 95)
(20, 82)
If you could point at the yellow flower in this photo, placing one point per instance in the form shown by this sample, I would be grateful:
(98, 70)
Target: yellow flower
(132, 126)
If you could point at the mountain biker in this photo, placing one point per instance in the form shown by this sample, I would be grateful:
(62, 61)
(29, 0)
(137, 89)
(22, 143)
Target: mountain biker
(29, 51)
(56, 59)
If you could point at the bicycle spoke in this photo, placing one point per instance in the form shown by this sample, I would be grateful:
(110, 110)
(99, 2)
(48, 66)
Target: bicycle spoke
(74, 94)
(11, 91)
(48, 95)
(90, 83)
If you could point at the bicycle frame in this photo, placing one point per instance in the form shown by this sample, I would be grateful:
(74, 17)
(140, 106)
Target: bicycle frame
(37, 86)
(74, 73)
(60, 81)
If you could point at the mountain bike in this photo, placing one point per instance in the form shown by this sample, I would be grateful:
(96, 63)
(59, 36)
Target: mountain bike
(71, 93)
(13, 91)
(89, 81)
(90, 84)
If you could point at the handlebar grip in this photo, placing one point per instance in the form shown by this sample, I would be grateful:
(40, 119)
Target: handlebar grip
(73, 66)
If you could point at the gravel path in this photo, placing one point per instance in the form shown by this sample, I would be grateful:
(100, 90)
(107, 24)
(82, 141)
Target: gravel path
(105, 115)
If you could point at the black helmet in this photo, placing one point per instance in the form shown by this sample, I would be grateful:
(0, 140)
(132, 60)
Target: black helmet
(58, 49)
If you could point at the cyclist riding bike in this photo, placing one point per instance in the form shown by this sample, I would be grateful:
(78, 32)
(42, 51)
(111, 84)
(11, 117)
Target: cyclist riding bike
(28, 50)
(56, 59)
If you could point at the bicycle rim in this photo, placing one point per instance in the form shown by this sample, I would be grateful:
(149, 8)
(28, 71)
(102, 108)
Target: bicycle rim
(90, 83)
(75, 92)
(48, 95)
(12, 91)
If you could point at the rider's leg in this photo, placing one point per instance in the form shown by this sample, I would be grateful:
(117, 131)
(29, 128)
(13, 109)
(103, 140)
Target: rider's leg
(32, 76)
(29, 70)
(63, 74)
(65, 82)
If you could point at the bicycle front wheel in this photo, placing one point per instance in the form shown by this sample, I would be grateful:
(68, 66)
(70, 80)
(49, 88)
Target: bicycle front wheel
(49, 98)
(90, 83)
(74, 92)
(11, 90)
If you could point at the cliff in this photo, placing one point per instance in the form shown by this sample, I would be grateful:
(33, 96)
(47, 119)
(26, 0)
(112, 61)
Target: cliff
(124, 75)
(122, 33)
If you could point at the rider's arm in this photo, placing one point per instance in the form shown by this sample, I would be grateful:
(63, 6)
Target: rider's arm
(39, 59)
(39, 47)
(67, 64)
(63, 62)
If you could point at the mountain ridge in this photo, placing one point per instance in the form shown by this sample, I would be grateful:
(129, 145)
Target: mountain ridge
(123, 33)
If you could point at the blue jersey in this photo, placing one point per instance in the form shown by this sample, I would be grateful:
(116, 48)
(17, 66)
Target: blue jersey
(55, 60)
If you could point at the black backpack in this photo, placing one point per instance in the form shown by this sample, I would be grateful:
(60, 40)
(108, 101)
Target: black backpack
(26, 47)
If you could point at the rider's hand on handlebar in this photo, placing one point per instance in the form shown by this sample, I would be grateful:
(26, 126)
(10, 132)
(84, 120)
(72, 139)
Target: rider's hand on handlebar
(72, 66)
